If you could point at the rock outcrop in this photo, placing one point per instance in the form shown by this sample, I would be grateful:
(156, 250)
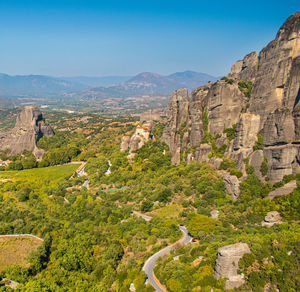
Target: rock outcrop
(177, 119)
(139, 138)
(282, 191)
(232, 185)
(125, 143)
(227, 264)
(272, 218)
(29, 128)
(214, 214)
(259, 98)
(141, 135)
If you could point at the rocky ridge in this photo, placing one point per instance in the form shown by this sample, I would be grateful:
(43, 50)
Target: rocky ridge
(29, 128)
(257, 102)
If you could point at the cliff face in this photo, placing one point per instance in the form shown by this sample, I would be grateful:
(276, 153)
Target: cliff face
(29, 128)
(259, 98)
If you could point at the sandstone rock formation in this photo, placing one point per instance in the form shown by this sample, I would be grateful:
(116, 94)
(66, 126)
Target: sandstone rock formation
(141, 135)
(259, 97)
(227, 264)
(125, 143)
(245, 69)
(271, 218)
(282, 191)
(29, 128)
(232, 185)
(177, 118)
(139, 138)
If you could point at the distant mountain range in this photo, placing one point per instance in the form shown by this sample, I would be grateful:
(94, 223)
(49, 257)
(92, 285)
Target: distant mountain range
(99, 87)
(97, 81)
(35, 86)
(148, 84)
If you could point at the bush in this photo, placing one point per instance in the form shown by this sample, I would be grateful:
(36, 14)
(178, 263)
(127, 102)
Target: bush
(230, 132)
(227, 80)
(227, 163)
(236, 172)
(200, 226)
(164, 195)
(146, 206)
(245, 87)
(264, 167)
(288, 178)
(250, 169)
(259, 143)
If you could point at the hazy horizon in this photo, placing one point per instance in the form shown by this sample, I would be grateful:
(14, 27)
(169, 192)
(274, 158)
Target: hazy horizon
(91, 38)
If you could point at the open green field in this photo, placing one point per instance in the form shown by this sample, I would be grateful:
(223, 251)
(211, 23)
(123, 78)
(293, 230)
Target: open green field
(171, 211)
(52, 173)
(15, 250)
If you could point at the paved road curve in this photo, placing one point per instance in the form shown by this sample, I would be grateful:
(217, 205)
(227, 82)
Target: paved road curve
(150, 263)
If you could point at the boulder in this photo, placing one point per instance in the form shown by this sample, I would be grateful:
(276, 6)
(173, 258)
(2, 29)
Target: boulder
(232, 185)
(214, 214)
(283, 191)
(227, 264)
(271, 218)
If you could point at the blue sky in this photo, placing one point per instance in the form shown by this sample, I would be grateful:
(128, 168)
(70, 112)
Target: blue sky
(100, 38)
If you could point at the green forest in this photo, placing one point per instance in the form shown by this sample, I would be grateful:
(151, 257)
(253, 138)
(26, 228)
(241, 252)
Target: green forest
(93, 242)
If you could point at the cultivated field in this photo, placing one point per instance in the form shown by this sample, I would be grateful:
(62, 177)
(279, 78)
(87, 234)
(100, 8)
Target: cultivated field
(52, 173)
(15, 250)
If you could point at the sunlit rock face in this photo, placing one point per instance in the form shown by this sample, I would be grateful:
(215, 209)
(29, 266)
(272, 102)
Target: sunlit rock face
(227, 264)
(271, 109)
(29, 128)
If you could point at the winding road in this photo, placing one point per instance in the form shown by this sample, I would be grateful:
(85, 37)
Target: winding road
(151, 262)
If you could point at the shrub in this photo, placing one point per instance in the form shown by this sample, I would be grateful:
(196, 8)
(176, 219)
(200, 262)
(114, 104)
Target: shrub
(230, 132)
(227, 80)
(259, 143)
(245, 87)
(288, 178)
(227, 163)
(250, 169)
(164, 195)
(201, 225)
(146, 206)
(236, 172)
(264, 167)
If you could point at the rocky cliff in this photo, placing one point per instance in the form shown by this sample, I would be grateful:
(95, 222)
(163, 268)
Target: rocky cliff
(29, 128)
(252, 115)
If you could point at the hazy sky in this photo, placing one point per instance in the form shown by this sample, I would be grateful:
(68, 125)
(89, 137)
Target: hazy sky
(97, 38)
